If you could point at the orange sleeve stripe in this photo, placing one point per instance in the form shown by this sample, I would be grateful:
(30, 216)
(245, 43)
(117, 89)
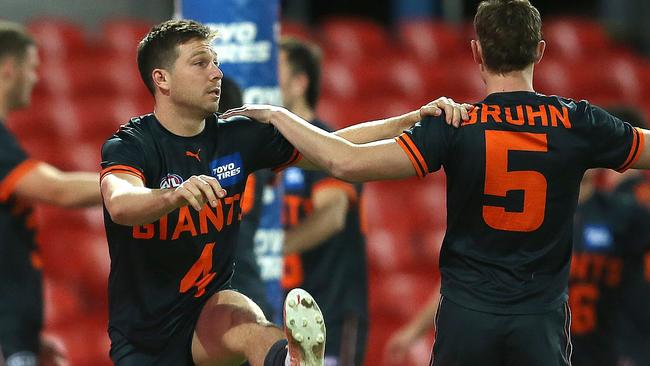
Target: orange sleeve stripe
(8, 184)
(294, 159)
(416, 151)
(638, 141)
(407, 150)
(122, 169)
(335, 183)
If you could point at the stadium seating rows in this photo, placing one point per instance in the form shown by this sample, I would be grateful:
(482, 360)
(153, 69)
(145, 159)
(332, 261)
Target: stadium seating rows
(91, 85)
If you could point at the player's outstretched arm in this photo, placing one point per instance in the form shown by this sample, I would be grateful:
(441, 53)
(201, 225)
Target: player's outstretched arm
(644, 158)
(391, 127)
(378, 160)
(47, 184)
(129, 202)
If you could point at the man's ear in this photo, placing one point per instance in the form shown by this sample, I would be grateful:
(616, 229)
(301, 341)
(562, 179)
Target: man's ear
(299, 84)
(541, 46)
(160, 79)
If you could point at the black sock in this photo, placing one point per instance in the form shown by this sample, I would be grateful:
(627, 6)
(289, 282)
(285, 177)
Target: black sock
(277, 354)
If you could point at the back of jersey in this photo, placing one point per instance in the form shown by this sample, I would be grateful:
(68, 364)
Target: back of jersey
(513, 175)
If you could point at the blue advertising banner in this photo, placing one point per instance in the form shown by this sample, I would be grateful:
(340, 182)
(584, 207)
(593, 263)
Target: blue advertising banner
(247, 44)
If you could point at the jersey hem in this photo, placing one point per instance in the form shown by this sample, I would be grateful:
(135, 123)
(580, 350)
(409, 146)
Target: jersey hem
(509, 309)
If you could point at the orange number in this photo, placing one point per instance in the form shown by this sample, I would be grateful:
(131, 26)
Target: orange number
(499, 180)
(200, 274)
(581, 300)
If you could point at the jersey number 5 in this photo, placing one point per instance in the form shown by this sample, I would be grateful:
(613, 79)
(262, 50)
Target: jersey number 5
(200, 274)
(499, 180)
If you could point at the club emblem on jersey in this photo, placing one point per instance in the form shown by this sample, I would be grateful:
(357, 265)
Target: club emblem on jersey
(171, 181)
(228, 169)
(294, 179)
(597, 237)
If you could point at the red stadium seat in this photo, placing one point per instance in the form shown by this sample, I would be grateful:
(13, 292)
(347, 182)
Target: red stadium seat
(296, 30)
(397, 294)
(575, 39)
(122, 36)
(354, 40)
(62, 302)
(430, 41)
(58, 39)
(85, 339)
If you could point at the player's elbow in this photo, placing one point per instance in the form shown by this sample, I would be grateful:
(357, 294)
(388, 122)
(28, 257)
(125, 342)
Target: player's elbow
(119, 213)
(346, 169)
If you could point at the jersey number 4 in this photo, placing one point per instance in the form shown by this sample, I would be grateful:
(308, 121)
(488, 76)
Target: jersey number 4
(499, 180)
(200, 274)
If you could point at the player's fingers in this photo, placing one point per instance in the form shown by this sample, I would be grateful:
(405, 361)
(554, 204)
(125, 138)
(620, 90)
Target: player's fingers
(216, 186)
(456, 116)
(189, 197)
(207, 191)
(430, 109)
(464, 112)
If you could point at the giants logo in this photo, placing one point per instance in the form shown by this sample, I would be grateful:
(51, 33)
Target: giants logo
(171, 181)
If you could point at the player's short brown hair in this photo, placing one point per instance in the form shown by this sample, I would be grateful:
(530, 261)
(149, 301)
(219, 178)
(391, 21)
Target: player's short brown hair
(158, 49)
(14, 40)
(304, 58)
(509, 32)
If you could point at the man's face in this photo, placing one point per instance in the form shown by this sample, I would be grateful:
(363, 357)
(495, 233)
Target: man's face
(20, 92)
(195, 77)
(285, 78)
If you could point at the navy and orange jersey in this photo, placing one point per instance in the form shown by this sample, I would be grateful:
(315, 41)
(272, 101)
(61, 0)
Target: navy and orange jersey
(163, 272)
(247, 278)
(606, 226)
(21, 301)
(513, 174)
(334, 272)
(634, 323)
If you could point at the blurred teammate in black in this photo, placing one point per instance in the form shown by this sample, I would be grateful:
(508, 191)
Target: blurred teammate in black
(246, 278)
(172, 183)
(326, 251)
(632, 328)
(608, 233)
(24, 181)
(513, 175)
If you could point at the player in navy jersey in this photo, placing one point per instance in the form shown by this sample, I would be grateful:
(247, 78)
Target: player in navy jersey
(326, 252)
(23, 182)
(172, 183)
(513, 174)
(632, 328)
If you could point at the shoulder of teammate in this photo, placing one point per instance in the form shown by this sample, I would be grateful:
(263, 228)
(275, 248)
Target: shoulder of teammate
(266, 146)
(611, 142)
(124, 151)
(427, 143)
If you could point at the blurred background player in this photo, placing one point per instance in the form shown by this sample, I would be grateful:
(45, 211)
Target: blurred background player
(609, 234)
(324, 246)
(246, 277)
(23, 182)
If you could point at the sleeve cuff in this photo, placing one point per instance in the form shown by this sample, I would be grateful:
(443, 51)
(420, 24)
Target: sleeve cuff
(638, 140)
(121, 169)
(294, 159)
(8, 184)
(335, 183)
(419, 164)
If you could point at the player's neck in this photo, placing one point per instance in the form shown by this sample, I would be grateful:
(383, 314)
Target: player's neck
(179, 121)
(302, 110)
(510, 82)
